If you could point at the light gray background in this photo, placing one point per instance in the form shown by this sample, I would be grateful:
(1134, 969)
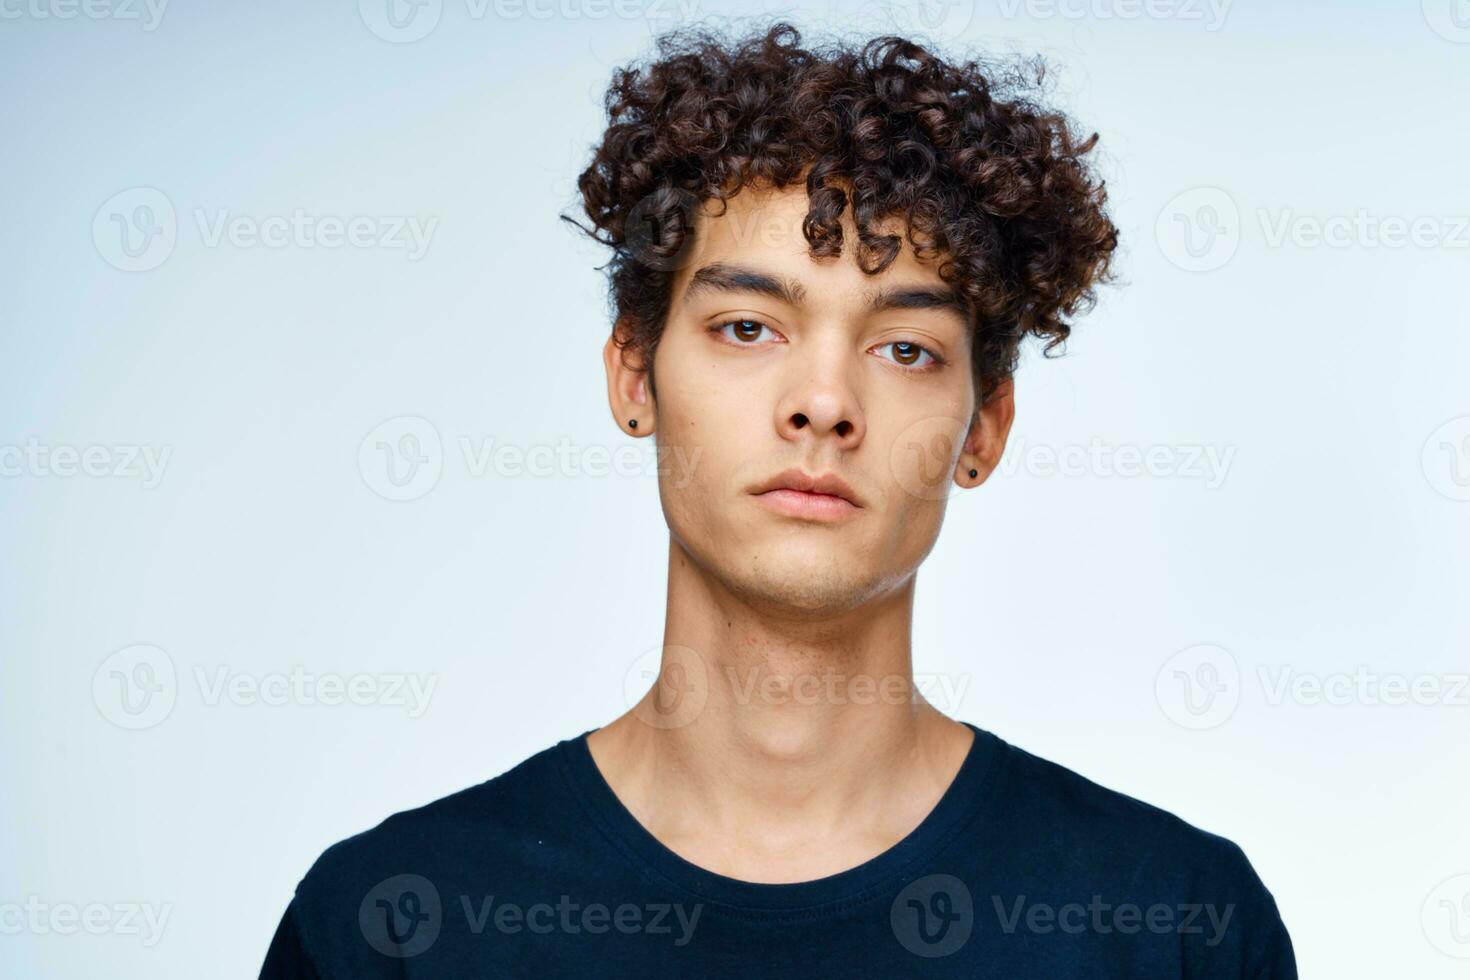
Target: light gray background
(1069, 612)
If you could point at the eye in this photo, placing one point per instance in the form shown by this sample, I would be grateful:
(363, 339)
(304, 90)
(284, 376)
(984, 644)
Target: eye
(911, 355)
(745, 331)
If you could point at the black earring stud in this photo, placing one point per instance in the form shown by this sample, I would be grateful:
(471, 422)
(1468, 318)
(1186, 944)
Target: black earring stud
(974, 473)
(632, 423)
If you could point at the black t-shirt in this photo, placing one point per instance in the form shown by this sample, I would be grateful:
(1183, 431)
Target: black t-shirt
(1023, 869)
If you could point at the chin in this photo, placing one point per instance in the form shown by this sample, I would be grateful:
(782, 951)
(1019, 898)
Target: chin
(805, 579)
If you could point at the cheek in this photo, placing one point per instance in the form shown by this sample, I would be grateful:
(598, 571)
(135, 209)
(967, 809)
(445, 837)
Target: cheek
(701, 444)
(913, 523)
(919, 458)
(706, 414)
(915, 463)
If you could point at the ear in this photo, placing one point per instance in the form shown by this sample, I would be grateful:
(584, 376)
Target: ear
(627, 386)
(986, 441)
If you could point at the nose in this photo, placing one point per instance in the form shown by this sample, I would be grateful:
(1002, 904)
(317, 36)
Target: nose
(820, 403)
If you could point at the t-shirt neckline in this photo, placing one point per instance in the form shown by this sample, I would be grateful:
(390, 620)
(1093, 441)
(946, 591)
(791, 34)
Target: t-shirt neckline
(960, 802)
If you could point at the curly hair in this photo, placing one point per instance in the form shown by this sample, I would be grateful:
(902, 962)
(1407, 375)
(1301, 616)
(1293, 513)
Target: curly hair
(992, 185)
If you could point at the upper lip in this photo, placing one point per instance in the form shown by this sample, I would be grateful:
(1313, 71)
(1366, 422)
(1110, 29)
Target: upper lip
(797, 479)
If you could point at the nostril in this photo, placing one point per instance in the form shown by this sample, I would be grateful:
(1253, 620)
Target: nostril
(799, 420)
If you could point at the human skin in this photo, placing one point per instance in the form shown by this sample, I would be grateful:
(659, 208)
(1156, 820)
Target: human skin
(783, 740)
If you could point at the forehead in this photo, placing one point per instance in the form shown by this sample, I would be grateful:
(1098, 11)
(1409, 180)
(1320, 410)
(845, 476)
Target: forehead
(762, 227)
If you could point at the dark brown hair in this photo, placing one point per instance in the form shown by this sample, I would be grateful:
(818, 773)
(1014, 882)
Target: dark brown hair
(987, 181)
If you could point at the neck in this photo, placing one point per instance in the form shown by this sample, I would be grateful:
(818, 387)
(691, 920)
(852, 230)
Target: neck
(778, 725)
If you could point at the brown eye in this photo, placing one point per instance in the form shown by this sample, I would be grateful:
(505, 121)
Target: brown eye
(747, 329)
(742, 331)
(910, 354)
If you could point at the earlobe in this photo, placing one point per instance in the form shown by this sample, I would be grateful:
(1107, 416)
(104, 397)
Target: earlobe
(641, 412)
(967, 471)
(627, 391)
(986, 441)
(968, 475)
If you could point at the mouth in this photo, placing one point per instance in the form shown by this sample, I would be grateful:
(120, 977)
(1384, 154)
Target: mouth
(796, 493)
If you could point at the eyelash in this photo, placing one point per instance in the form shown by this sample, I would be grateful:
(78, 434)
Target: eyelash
(935, 360)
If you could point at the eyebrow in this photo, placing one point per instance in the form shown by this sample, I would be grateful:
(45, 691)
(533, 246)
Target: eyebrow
(726, 278)
(721, 277)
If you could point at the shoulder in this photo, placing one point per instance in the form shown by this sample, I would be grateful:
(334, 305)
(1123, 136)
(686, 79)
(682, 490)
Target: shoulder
(501, 808)
(1106, 846)
(1074, 811)
(410, 862)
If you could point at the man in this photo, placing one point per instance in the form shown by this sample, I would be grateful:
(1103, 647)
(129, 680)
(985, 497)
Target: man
(823, 265)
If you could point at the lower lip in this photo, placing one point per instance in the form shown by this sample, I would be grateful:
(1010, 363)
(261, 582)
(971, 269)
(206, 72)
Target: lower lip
(813, 506)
